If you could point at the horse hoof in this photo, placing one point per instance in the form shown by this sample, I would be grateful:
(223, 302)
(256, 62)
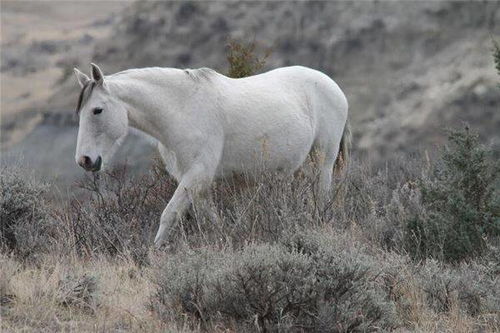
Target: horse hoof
(158, 244)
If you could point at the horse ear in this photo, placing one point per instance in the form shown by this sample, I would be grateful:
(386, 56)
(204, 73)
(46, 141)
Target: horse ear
(97, 75)
(82, 78)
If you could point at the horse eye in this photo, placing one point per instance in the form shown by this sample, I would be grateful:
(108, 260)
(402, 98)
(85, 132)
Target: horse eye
(97, 110)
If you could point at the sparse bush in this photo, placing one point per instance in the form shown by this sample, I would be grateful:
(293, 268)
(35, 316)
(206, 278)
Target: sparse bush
(26, 227)
(303, 283)
(243, 59)
(119, 217)
(461, 203)
(378, 201)
(78, 291)
(473, 287)
(261, 210)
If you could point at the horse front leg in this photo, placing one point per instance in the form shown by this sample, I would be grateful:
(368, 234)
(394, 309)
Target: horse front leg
(195, 181)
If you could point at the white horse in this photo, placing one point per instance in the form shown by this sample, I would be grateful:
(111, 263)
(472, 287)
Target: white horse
(209, 126)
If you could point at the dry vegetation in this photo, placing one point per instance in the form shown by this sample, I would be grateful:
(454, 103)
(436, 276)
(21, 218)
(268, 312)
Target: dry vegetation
(265, 257)
(384, 253)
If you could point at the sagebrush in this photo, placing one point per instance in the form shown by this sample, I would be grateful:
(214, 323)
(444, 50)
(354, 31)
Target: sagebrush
(304, 282)
(26, 227)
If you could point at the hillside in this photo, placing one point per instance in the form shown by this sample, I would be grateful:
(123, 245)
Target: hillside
(409, 69)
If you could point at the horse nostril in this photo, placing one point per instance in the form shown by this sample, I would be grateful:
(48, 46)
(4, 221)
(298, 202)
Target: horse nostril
(98, 163)
(85, 162)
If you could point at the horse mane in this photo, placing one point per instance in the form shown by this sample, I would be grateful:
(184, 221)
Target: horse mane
(85, 94)
(200, 73)
(196, 75)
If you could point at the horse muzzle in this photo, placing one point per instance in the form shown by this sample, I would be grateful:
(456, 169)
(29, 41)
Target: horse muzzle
(89, 165)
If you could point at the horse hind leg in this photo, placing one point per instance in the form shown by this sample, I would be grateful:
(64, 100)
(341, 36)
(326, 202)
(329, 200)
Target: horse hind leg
(324, 157)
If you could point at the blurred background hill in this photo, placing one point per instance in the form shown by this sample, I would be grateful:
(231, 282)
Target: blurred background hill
(409, 69)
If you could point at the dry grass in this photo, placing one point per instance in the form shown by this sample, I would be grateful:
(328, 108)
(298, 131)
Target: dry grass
(36, 292)
(31, 297)
(418, 316)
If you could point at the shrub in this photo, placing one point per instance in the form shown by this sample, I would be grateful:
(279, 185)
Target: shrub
(461, 203)
(496, 56)
(473, 287)
(258, 210)
(349, 284)
(120, 216)
(434, 291)
(25, 225)
(78, 291)
(243, 59)
(378, 201)
(303, 283)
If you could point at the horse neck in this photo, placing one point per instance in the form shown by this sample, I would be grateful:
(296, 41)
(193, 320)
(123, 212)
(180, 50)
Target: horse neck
(152, 98)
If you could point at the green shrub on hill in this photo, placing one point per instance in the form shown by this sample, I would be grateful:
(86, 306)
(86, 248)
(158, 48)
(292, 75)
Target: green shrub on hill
(243, 59)
(461, 203)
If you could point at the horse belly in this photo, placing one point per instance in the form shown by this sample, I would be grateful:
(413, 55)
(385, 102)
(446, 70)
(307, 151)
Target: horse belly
(280, 143)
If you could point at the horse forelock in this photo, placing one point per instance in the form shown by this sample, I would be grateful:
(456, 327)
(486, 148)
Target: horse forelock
(85, 94)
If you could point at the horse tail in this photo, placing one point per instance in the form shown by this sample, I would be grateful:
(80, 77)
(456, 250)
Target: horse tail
(345, 145)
